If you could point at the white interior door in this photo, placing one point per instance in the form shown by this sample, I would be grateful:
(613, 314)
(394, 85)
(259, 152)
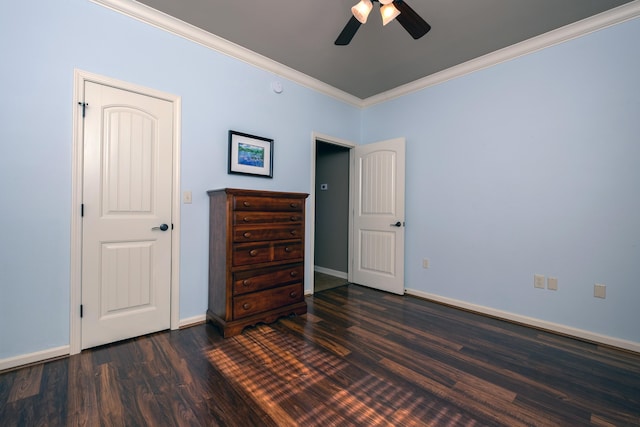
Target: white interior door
(127, 187)
(378, 222)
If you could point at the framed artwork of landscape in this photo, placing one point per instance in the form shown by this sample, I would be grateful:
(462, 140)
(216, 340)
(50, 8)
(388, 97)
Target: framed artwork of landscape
(250, 154)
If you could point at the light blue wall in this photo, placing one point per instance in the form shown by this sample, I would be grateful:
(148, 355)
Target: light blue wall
(528, 167)
(41, 43)
(531, 166)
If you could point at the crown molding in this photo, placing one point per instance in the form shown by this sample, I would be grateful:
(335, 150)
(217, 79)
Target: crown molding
(589, 25)
(180, 28)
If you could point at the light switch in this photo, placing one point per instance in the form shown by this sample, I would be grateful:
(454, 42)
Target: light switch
(186, 197)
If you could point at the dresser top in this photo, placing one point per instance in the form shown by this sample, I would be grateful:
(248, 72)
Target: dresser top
(260, 193)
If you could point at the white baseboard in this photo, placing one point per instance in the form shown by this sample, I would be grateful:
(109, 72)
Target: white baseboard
(190, 321)
(38, 356)
(330, 272)
(530, 321)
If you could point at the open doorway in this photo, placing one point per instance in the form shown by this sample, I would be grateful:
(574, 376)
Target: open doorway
(331, 243)
(370, 225)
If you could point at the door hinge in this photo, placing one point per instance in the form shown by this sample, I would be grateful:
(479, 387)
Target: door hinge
(81, 310)
(172, 226)
(84, 106)
(82, 209)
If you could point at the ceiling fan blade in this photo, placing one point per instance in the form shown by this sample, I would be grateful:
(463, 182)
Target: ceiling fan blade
(348, 32)
(410, 20)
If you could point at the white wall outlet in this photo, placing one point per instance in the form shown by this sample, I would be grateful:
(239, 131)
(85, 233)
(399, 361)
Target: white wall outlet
(538, 281)
(425, 263)
(552, 283)
(599, 290)
(186, 197)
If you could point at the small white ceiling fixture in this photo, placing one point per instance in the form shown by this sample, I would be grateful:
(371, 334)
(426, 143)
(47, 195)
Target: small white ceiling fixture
(277, 87)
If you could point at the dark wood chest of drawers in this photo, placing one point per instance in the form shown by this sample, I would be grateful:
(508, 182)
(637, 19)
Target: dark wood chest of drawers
(256, 257)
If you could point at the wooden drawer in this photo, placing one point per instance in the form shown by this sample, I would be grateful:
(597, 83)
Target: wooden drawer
(258, 302)
(253, 234)
(257, 253)
(287, 250)
(256, 280)
(251, 253)
(247, 217)
(251, 203)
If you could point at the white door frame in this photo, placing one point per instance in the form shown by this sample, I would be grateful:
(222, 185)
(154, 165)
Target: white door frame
(311, 209)
(75, 299)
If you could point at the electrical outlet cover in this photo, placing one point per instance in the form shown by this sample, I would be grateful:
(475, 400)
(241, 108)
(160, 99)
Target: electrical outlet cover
(599, 291)
(538, 281)
(552, 283)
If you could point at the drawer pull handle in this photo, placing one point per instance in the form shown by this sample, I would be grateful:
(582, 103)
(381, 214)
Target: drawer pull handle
(246, 282)
(293, 273)
(287, 249)
(246, 306)
(246, 219)
(246, 204)
(247, 234)
(294, 232)
(293, 205)
(253, 252)
(294, 218)
(293, 294)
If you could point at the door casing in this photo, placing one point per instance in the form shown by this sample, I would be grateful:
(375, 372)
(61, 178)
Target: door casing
(311, 210)
(80, 77)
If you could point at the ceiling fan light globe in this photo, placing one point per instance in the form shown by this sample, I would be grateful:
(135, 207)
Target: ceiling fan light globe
(361, 10)
(383, 2)
(389, 13)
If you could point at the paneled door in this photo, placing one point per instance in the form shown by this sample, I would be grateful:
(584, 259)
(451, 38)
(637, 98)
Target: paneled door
(126, 223)
(378, 224)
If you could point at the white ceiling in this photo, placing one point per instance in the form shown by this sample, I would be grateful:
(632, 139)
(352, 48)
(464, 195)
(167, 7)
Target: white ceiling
(300, 34)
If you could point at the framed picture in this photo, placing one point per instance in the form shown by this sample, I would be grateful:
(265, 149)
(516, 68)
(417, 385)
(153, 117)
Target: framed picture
(250, 155)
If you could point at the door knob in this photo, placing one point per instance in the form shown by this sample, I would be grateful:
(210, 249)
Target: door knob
(163, 227)
(397, 224)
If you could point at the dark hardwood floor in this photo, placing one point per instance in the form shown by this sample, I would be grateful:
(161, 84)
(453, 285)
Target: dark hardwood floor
(359, 357)
(324, 282)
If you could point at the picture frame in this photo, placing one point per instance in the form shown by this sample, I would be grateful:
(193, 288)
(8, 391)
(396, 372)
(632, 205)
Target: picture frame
(250, 155)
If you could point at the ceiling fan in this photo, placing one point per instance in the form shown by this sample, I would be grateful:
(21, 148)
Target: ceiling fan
(390, 10)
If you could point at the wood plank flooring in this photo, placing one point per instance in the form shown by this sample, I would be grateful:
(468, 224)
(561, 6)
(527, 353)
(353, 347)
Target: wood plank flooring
(324, 282)
(359, 357)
